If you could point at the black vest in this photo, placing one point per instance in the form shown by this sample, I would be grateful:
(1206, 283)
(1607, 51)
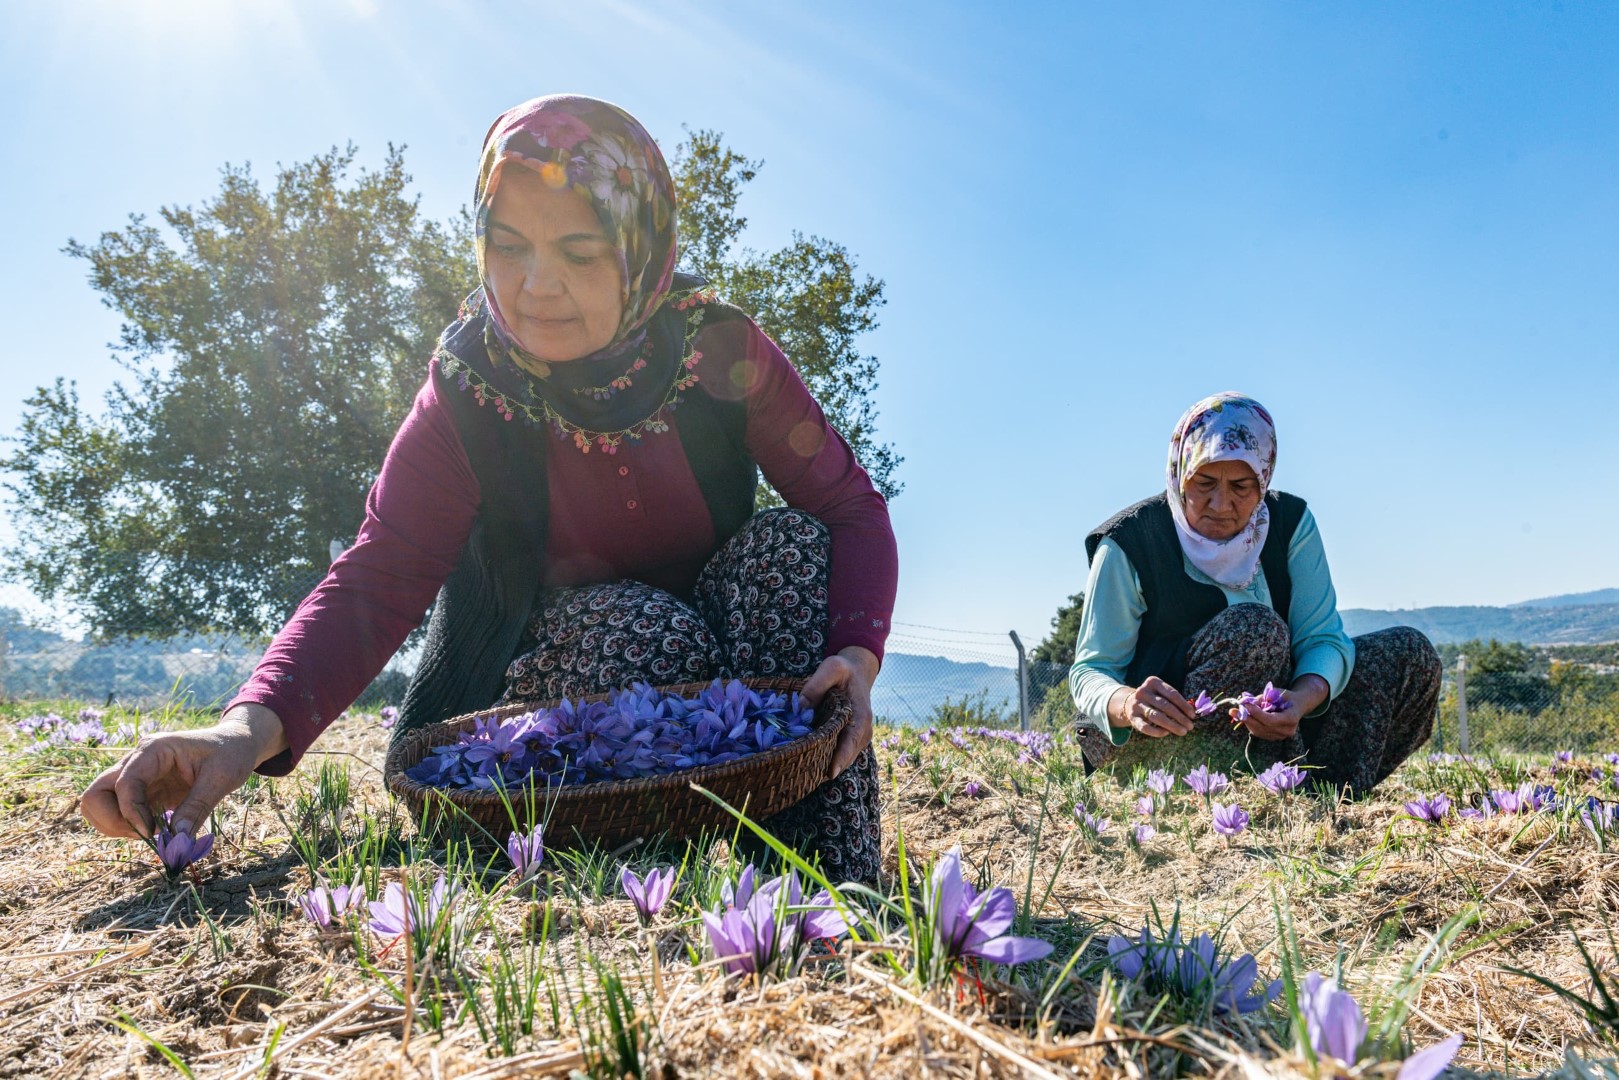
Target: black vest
(478, 619)
(1177, 606)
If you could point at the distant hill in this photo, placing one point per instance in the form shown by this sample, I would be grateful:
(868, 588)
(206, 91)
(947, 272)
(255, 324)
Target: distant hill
(1581, 618)
(1582, 599)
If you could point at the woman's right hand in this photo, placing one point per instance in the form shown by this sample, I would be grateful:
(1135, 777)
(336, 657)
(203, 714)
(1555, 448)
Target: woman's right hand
(1154, 709)
(189, 771)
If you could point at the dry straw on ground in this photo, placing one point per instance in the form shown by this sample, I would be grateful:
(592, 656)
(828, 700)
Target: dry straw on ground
(101, 960)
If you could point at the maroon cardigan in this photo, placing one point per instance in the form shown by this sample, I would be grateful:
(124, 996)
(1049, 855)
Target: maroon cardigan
(635, 514)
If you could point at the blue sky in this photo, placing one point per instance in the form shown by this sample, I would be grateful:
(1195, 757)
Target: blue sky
(1395, 224)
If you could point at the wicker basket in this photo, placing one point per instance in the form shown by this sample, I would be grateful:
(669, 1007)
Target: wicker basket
(614, 812)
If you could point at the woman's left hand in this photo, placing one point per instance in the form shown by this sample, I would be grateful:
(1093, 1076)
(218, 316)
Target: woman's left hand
(854, 669)
(1307, 694)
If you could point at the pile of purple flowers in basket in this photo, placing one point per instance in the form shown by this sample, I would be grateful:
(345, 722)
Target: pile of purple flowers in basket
(636, 733)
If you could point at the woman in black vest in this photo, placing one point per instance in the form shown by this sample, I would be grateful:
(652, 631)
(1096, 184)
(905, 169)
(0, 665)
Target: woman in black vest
(1220, 586)
(573, 493)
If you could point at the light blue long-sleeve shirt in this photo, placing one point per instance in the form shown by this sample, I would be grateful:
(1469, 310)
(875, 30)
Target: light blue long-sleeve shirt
(1114, 605)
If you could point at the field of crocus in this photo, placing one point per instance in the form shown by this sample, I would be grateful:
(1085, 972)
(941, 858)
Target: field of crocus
(1193, 920)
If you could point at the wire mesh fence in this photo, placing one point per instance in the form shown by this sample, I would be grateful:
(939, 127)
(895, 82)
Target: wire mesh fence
(931, 676)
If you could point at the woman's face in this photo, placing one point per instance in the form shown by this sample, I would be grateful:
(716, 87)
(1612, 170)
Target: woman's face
(1220, 497)
(552, 269)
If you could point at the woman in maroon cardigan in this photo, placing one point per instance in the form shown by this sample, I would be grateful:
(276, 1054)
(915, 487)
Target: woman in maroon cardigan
(572, 492)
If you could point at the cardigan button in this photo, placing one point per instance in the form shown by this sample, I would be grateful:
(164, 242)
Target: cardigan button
(631, 505)
(623, 470)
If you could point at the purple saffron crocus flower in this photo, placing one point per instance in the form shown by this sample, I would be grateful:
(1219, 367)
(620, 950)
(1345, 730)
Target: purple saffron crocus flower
(1142, 833)
(1203, 705)
(1205, 783)
(1280, 777)
(1564, 757)
(323, 904)
(401, 912)
(1336, 1028)
(1192, 969)
(1092, 824)
(972, 789)
(1333, 1021)
(389, 716)
(1229, 820)
(178, 850)
(1145, 806)
(966, 924)
(1611, 759)
(651, 895)
(1432, 810)
(526, 852)
(1161, 781)
(766, 930)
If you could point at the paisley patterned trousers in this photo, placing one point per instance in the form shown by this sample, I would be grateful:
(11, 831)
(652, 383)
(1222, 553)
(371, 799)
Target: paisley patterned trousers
(759, 610)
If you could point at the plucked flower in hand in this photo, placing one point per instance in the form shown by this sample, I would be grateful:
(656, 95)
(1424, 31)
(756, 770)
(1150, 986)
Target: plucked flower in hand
(1229, 820)
(178, 850)
(1205, 783)
(650, 895)
(526, 852)
(1280, 777)
(1204, 705)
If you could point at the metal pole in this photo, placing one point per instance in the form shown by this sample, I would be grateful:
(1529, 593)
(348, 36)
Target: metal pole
(1461, 704)
(1022, 681)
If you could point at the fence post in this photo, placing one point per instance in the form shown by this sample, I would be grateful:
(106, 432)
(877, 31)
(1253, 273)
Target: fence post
(1461, 705)
(1022, 682)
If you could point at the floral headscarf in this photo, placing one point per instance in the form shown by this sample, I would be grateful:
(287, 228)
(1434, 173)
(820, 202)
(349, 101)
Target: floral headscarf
(604, 155)
(1223, 427)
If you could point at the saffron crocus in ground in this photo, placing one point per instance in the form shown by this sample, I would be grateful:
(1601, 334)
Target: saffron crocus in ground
(389, 716)
(966, 924)
(1564, 757)
(765, 931)
(1205, 783)
(1431, 809)
(1192, 969)
(1229, 820)
(1161, 781)
(651, 895)
(1336, 1028)
(1145, 806)
(1092, 824)
(1142, 833)
(1204, 705)
(323, 905)
(526, 852)
(400, 912)
(178, 850)
(1281, 777)
(972, 789)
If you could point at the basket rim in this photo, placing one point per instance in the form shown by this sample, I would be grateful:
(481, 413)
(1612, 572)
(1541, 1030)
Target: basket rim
(836, 705)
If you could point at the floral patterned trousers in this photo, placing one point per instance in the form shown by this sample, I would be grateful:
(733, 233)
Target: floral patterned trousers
(1383, 714)
(759, 610)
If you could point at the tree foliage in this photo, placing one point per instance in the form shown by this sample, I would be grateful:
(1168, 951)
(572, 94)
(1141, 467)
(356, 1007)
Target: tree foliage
(808, 296)
(274, 339)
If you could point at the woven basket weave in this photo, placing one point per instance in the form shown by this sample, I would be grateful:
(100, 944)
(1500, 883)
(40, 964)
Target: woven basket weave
(614, 812)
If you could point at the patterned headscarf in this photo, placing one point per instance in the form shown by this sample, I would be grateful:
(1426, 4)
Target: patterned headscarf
(1223, 427)
(603, 154)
